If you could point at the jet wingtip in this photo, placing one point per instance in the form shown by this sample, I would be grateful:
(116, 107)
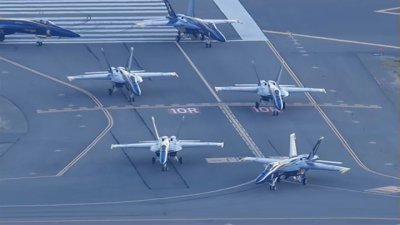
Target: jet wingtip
(70, 78)
(344, 170)
(244, 159)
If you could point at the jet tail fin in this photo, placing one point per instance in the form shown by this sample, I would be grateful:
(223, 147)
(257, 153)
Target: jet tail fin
(278, 77)
(293, 148)
(315, 149)
(155, 127)
(171, 11)
(129, 62)
(190, 10)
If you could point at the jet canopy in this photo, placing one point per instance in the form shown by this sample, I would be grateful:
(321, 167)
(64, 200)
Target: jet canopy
(46, 22)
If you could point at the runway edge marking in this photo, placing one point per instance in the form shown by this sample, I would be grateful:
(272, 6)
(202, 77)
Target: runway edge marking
(90, 95)
(324, 116)
(225, 109)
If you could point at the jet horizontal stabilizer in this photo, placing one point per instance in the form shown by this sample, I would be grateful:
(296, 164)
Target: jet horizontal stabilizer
(332, 162)
(246, 85)
(153, 23)
(156, 74)
(98, 72)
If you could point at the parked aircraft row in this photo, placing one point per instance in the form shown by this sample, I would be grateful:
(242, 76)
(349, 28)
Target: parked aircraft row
(165, 147)
(187, 25)
(123, 76)
(275, 168)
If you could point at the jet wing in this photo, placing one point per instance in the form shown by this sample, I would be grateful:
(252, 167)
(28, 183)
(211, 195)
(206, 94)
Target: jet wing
(185, 144)
(260, 160)
(91, 76)
(135, 145)
(322, 166)
(220, 21)
(238, 88)
(155, 74)
(300, 89)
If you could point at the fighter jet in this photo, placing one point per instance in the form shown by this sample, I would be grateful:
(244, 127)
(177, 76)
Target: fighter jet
(295, 166)
(123, 76)
(167, 146)
(40, 28)
(270, 91)
(197, 28)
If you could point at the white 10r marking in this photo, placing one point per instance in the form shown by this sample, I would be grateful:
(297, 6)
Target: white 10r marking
(263, 109)
(184, 110)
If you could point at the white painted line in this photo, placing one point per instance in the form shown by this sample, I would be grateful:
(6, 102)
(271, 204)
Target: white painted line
(247, 29)
(44, 13)
(210, 220)
(386, 189)
(78, 1)
(28, 10)
(93, 18)
(334, 39)
(107, 114)
(223, 160)
(325, 117)
(87, 4)
(225, 109)
(387, 11)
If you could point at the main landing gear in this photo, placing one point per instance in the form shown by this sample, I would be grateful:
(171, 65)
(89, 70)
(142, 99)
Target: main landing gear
(131, 97)
(39, 43)
(208, 41)
(178, 37)
(272, 184)
(164, 168)
(180, 160)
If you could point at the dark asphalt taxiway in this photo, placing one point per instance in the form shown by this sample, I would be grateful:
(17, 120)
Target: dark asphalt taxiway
(56, 166)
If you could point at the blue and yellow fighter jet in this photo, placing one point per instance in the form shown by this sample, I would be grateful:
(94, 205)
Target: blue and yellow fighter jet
(40, 28)
(296, 166)
(204, 29)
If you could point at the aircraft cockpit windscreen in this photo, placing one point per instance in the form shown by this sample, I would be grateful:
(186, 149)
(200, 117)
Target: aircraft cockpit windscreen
(46, 22)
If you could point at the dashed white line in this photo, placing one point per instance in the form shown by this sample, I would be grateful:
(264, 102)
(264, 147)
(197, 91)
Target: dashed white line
(334, 39)
(226, 110)
(325, 117)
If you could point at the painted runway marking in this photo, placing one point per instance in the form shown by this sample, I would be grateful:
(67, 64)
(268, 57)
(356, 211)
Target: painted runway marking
(184, 110)
(223, 160)
(386, 190)
(225, 109)
(247, 29)
(211, 220)
(388, 11)
(110, 121)
(334, 39)
(95, 21)
(194, 107)
(325, 117)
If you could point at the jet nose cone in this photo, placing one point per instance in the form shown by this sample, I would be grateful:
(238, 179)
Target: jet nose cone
(61, 32)
(68, 33)
(75, 35)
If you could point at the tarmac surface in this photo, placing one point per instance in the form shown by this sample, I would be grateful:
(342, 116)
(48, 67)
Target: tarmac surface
(56, 166)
